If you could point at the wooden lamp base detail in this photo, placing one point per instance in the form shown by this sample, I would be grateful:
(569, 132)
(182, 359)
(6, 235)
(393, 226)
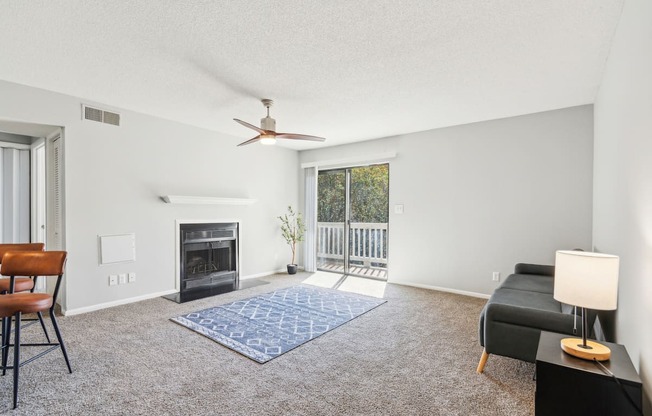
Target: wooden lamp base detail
(573, 346)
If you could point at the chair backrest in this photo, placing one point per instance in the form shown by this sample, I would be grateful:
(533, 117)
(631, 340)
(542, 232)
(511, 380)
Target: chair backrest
(33, 263)
(5, 248)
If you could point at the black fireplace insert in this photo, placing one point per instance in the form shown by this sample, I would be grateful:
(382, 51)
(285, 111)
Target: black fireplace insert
(208, 260)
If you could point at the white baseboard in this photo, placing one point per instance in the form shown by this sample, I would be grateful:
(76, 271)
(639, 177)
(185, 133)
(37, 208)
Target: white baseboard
(263, 274)
(443, 289)
(77, 311)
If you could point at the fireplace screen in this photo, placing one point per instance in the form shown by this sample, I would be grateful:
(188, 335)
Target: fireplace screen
(208, 255)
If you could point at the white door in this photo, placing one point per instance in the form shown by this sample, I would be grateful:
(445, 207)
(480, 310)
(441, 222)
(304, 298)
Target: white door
(54, 209)
(54, 236)
(14, 193)
(38, 200)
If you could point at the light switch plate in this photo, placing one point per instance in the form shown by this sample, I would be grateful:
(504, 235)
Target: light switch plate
(398, 209)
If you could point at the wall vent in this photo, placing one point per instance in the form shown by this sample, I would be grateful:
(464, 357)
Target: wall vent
(99, 115)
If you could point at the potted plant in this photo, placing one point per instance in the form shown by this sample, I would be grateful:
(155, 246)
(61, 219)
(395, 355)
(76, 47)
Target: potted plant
(293, 228)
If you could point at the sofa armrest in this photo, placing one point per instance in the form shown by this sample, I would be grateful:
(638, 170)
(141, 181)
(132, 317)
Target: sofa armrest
(529, 317)
(540, 269)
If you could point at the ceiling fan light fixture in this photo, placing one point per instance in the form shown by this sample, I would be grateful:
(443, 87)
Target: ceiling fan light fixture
(267, 139)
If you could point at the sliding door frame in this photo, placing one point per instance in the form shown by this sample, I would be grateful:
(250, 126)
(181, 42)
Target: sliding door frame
(347, 217)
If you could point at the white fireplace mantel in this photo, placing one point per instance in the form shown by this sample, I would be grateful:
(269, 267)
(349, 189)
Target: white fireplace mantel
(206, 200)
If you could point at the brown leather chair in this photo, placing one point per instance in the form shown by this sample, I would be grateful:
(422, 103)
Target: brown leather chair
(30, 263)
(22, 284)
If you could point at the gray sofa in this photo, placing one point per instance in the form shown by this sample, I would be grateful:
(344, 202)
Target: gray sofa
(519, 309)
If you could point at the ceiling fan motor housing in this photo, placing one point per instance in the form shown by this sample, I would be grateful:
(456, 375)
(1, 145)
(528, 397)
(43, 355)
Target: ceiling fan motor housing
(268, 123)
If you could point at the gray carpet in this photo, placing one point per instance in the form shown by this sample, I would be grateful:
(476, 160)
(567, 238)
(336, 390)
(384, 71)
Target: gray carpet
(416, 354)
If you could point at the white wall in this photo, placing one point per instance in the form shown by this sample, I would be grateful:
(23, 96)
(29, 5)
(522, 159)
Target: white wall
(623, 179)
(481, 197)
(115, 175)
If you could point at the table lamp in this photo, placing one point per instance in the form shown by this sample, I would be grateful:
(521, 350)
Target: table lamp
(589, 281)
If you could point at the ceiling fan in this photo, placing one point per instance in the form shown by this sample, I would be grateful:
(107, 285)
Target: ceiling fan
(267, 132)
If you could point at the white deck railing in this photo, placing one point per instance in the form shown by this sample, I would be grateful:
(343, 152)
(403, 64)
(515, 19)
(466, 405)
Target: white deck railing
(368, 242)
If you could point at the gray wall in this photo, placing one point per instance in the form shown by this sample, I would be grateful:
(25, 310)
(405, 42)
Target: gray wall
(481, 197)
(15, 138)
(623, 180)
(115, 175)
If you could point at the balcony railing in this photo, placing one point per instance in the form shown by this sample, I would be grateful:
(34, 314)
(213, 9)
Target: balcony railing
(368, 243)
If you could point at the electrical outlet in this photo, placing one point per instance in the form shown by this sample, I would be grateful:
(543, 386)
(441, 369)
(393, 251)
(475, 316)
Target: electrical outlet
(113, 280)
(122, 278)
(132, 277)
(496, 277)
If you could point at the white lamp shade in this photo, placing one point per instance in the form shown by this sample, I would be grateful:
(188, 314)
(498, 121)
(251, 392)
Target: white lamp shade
(585, 279)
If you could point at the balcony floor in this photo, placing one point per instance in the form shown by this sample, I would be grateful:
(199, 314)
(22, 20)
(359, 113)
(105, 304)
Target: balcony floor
(338, 267)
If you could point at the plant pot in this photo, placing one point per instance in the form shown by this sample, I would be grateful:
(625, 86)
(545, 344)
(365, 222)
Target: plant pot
(292, 269)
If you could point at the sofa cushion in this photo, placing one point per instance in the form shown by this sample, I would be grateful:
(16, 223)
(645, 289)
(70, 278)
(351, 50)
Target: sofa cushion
(527, 309)
(525, 299)
(530, 283)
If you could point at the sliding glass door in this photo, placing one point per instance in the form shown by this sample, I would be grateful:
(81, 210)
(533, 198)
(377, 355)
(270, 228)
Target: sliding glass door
(331, 220)
(368, 220)
(352, 220)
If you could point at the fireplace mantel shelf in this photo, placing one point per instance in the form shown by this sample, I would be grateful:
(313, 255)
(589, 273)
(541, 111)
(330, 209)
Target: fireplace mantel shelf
(206, 200)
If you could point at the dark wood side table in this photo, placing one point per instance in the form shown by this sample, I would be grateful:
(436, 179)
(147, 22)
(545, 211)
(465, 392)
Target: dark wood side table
(569, 385)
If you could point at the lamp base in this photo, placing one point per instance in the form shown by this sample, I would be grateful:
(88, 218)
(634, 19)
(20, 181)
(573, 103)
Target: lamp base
(595, 351)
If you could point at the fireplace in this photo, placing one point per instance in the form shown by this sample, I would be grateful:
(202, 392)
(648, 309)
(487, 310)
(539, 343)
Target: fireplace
(209, 255)
(208, 260)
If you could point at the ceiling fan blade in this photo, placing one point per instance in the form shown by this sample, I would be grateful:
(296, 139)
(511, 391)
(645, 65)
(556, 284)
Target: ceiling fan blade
(251, 126)
(299, 137)
(254, 140)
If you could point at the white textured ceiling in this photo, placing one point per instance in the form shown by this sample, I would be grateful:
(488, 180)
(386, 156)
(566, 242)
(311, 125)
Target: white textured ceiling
(345, 70)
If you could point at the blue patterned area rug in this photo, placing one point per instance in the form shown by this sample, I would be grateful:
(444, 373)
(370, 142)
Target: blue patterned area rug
(268, 325)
